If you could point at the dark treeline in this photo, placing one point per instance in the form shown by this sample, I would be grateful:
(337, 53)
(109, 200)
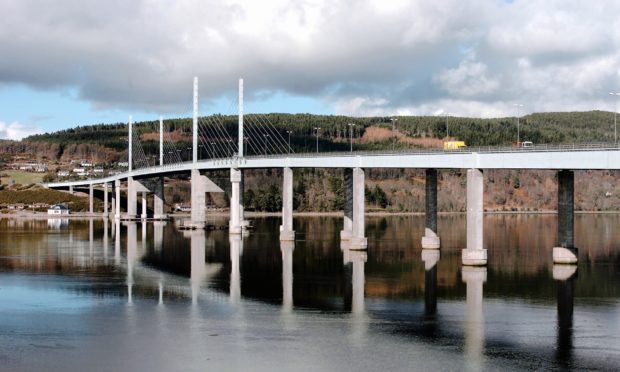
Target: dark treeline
(334, 133)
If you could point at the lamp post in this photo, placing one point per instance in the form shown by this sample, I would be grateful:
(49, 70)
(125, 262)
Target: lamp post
(518, 105)
(351, 125)
(394, 120)
(615, 115)
(447, 128)
(289, 140)
(317, 129)
(265, 143)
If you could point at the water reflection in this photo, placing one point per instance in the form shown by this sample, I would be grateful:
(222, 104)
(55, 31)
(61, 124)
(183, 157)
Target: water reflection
(565, 275)
(474, 277)
(198, 269)
(57, 223)
(132, 257)
(394, 291)
(236, 250)
(287, 248)
(430, 258)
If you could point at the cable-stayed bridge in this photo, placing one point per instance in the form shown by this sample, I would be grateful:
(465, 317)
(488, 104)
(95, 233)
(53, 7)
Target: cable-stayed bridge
(256, 143)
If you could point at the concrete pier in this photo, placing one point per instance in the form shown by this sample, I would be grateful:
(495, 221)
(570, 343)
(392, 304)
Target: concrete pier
(71, 190)
(200, 186)
(475, 254)
(198, 215)
(565, 251)
(113, 201)
(143, 215)
(358, 238)
(245, 224)
(132, 199)
(286, 229)
(117, 199)
(430, 240)
(91, 201)
(347, 227)
(234, 225)
(105, 200)
(158, 200)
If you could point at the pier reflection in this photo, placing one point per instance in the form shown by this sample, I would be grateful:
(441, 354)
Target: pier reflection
(236, 251)
(565, 275)
(287, 248)
(474, 277)
(132, 257)
(198, 268)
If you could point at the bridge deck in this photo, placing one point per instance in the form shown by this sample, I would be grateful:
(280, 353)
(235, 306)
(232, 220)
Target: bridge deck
(576, 157)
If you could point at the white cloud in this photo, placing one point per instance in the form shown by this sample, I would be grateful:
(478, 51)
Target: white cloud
(362, 56)
(16, 131)
(469, 79)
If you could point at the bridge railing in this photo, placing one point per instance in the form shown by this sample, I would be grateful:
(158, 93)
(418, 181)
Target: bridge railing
(466, 150)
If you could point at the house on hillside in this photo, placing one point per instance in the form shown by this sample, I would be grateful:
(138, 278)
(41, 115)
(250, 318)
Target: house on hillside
(58, 209)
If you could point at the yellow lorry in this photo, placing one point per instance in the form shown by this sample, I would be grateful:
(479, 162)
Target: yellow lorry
(454, 145)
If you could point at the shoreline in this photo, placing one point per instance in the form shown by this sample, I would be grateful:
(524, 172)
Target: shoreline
(87, 215)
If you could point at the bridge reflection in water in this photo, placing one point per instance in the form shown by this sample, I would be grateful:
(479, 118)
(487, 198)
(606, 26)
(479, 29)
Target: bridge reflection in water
(394, 288)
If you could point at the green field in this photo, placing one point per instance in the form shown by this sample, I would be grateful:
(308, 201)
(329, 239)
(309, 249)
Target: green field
(21, 177)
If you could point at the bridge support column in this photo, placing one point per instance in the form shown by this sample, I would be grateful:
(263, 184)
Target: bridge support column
(71, 190)
(286, 229)
(234, 225)
(198, 216)
(144, 214)
(430, 240)
(117, 200)
(475, 254)
(113, 200)
(132, 199)
(245, 224)
(358, 238)
(347, 227)
(91, 207)
(158, 200)
(105, 200)
(565, 252)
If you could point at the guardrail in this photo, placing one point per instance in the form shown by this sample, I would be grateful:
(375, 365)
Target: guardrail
(420, 151)
(466, 150)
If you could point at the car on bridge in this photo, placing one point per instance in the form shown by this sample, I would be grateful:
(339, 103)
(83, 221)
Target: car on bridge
(454, 145)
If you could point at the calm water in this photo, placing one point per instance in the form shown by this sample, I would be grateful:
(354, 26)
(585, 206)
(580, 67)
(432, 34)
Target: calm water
(84, 295)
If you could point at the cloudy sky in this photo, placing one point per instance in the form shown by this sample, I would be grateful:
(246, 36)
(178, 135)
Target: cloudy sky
(66, 63)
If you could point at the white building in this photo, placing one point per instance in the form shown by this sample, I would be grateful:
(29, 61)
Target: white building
(58, 209)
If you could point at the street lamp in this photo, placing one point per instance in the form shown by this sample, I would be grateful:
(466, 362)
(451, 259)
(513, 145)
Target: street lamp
(394, 120)
(317, 129)
(289, 140)
(518, 105)
(615, 115)
(351, 125)
(265, 143)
